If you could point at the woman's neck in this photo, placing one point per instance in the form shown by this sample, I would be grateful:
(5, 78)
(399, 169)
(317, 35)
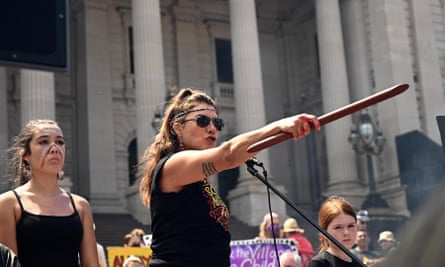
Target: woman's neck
(338, 253)
(42, 187)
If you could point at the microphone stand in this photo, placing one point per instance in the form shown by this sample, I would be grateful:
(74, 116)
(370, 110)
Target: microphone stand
(250, 168)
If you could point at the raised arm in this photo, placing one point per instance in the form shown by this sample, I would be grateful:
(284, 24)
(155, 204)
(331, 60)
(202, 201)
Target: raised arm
(189, 166)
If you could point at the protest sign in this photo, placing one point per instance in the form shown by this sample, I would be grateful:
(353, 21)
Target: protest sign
(259, 252)
(117, 255)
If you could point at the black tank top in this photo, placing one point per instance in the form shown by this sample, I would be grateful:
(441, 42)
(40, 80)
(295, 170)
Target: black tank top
(50, 241)
(190, 228)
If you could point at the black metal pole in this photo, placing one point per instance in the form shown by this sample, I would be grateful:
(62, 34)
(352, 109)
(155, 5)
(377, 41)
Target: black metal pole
(371, 177)
(373, 199)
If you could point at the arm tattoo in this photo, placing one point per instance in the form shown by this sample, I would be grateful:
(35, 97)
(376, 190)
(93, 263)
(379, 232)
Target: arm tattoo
(208, 169)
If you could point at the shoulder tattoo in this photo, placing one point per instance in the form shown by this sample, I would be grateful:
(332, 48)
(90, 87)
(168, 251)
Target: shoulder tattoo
(208, 168)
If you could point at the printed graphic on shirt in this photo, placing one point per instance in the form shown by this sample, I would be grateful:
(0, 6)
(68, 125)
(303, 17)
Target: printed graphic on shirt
(218, 210)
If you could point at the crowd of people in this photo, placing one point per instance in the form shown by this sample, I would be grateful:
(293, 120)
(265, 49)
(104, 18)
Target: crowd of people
(189, 220)
(342, 222)
(328, 255)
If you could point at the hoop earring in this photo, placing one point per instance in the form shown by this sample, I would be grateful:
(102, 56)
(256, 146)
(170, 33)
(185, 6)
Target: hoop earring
(26, 170)
(60, 175)
(27, 173)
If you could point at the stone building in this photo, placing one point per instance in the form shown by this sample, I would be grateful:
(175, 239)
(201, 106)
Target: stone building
(262, 60)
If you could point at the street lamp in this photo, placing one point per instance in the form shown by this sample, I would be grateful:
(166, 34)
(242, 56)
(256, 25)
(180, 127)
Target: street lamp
(156, 122)
(365, 139)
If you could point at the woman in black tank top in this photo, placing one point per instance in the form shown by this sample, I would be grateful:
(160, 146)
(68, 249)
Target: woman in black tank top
(42, 223)
(189, 220)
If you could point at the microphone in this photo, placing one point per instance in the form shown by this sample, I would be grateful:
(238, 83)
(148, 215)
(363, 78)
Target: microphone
(253, 162)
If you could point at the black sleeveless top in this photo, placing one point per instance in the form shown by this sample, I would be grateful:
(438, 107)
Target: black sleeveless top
(325, 259)
(190, 227)
(50, 241)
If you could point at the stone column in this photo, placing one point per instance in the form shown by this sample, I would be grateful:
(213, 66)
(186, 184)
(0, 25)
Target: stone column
(97, 160)
(358, 66)
(186, 17)
(249, 195)
(149, 78)
(335, 93)
(3, 128)
(392, 64)
(149, 67)
(428, 72)
(356, 48)
(37, 95)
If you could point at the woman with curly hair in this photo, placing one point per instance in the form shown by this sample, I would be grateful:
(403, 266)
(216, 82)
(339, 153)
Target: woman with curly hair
(41, 222)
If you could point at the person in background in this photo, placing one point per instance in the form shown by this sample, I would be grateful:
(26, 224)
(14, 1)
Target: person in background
(292, 230)
(100, 252)
(362, 220)
(290, 259)
(338, 218)
(362, 223)
(270, 226)
(41, 222)
(387, 243)
(127, 238)
(101, 255)
(133, 261)
(137, 239)
(362, 250)
(190, 222)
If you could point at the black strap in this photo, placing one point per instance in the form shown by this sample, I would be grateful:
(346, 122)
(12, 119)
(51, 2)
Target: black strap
(19, 200)
(72, 202)
(21, 204)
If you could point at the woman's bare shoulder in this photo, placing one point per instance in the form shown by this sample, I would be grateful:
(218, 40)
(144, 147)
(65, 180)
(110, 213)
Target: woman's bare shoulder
(8, 204)
(7, 198)
(80, 200)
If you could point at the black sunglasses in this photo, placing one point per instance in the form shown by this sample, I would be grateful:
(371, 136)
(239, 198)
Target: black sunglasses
(204, 121)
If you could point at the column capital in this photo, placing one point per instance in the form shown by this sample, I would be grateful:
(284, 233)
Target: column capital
(97, 4)
(89, 4)
(186, 14)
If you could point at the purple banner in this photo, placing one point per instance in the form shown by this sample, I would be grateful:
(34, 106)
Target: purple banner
(258, 253)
